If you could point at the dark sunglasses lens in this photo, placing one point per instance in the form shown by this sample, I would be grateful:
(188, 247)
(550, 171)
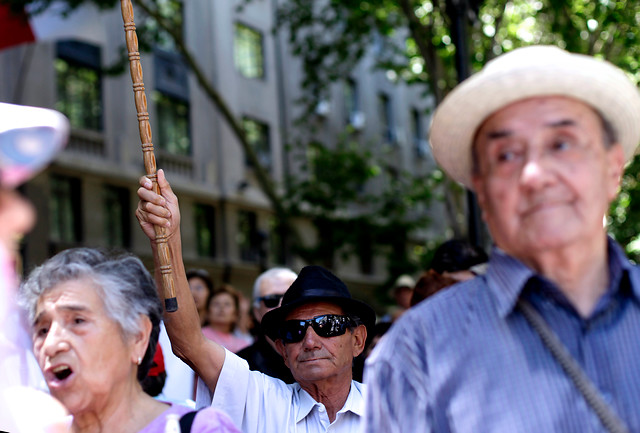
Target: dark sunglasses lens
(330, 325)
(271, 301)
(293, 330)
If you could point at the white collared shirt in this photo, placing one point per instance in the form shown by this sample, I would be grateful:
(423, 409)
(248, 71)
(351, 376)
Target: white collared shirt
(259, 403)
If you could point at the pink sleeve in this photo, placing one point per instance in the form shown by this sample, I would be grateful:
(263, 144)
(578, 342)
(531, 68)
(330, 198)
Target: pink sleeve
(210, 420)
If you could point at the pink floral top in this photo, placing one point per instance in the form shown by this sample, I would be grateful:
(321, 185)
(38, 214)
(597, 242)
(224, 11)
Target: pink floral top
(208, 420)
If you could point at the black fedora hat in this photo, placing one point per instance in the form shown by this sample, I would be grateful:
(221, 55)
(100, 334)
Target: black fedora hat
(316, 284)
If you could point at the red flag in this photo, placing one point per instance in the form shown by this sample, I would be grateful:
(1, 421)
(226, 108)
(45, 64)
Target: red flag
(14, 28)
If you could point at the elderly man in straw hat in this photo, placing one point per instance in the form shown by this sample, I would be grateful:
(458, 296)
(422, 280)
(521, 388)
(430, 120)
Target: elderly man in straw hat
(548, 339)
(318, 330)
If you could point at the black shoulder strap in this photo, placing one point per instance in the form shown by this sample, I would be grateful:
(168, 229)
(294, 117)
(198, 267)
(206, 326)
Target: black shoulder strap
(186, 420)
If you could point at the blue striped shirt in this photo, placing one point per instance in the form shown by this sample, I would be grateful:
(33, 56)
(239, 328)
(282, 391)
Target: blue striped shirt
(466, 360)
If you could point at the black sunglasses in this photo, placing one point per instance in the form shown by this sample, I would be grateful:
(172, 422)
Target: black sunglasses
(327, 325)
(271, 301)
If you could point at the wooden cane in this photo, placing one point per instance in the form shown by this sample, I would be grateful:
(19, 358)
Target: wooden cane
(170, 301)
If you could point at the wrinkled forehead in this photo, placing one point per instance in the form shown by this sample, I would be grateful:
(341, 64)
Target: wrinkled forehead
(81, 294)
(528, 117)
(546, 111)
(313, 309)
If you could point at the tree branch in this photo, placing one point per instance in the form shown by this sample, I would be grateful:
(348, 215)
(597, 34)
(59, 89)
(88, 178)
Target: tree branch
(422, 35)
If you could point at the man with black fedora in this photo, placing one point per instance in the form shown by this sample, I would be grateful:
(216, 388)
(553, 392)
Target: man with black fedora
(547, 340)
(318, 329)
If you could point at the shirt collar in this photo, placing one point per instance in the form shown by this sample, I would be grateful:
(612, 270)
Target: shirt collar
(507, 276)
(354, 402)
(307, 403)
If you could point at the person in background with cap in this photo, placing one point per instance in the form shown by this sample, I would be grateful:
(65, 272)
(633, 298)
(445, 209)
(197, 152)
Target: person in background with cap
(401, 292)
(453, 261)
(459, 260)
(318, 330)
(547, 339)
(262, 355)
(30, 137)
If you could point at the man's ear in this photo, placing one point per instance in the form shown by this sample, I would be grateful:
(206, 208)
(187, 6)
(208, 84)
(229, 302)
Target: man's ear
(616, 162)
(478, 188)
(359, 339)
(140, 340)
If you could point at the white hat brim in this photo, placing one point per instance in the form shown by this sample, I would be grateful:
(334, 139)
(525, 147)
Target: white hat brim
(526, 73)
(30, 137)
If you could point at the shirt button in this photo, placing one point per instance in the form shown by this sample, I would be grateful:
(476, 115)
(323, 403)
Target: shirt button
(321, 408)
(607, 397)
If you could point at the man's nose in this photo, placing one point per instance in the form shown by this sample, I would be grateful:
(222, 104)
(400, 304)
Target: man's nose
(311, 340)
(56, 341)
(535, 172)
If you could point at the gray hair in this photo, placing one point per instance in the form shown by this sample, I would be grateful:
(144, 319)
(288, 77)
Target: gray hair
(270, 274)
(126, 288)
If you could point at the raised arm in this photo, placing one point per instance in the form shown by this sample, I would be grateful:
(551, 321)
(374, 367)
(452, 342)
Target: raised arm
(183, 326)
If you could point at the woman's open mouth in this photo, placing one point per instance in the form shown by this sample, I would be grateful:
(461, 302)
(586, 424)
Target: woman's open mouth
(61, 372)
(58, 375)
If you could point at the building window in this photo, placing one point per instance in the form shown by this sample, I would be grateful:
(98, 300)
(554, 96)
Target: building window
(276, 242)
(420, 143)
(350, 100)
(171, 97)
(205, 230)
(386, 118)
(248, 51)
(365, 252)
(117, 207)
(247, 236)
(65, 212)
(416, 126)
(173, 124)
(257, 134)
(79, 84)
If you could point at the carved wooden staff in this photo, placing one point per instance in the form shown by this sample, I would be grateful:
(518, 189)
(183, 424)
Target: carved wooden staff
(170, 301)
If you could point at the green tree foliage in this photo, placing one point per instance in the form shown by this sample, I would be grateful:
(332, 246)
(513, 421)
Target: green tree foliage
(331, 36)
(350, 220)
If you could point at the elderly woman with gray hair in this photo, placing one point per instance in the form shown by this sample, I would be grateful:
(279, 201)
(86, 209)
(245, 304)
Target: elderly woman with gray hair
(95, 321)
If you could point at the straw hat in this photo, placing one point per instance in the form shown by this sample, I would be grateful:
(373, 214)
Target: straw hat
(30, 137)
(525, 73)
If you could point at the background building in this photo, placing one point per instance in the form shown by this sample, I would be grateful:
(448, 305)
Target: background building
(88, 195)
